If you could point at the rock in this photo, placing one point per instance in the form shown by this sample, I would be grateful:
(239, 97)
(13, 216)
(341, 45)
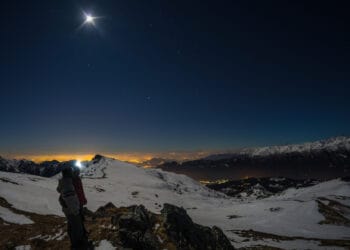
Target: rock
(137, 228)
(97, 158)
(137, 219)
(221, 238)
(107, 209)
(188, 235)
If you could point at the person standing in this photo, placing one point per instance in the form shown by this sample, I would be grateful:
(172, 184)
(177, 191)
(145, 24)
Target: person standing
(78, 186)
(71, 208)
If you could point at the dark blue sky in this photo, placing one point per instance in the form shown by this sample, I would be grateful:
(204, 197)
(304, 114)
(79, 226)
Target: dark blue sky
(171, 75)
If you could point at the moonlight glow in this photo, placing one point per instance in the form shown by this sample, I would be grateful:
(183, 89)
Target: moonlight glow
(89, 19)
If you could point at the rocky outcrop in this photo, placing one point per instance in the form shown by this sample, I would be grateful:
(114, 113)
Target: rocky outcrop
(97, 158)
(137, 228)
(131, 227)
(188, 235)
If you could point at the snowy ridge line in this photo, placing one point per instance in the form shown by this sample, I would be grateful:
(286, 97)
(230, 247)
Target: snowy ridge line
(331, 144)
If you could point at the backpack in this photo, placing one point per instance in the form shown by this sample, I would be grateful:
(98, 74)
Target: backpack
(78, 186)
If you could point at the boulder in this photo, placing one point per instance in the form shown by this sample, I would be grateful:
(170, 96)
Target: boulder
(137, 228)
(188, 235)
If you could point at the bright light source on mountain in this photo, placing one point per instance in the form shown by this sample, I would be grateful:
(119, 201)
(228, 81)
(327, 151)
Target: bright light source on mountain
(78, 164)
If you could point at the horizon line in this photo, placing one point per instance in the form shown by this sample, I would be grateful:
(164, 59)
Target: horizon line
(137, 156)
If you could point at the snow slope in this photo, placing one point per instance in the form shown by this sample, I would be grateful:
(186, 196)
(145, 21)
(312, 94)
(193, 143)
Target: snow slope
(294, 213)
(108, 180)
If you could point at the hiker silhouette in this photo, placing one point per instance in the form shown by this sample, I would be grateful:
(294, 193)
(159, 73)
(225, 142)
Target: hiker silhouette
(72, 200)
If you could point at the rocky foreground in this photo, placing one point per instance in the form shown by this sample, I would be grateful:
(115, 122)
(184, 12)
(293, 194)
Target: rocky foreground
(127, 227)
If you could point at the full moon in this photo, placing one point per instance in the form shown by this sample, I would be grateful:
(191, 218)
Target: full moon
(89, 19)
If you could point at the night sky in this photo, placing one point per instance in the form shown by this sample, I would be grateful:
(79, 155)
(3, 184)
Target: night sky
(155, 76)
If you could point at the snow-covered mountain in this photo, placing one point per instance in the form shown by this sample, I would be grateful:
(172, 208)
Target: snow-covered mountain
(339, 143)
(46, 168)
(324, 159)
(297, 218)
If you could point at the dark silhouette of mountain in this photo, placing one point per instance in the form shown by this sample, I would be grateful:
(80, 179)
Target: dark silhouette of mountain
(324, 159)
(45, 169)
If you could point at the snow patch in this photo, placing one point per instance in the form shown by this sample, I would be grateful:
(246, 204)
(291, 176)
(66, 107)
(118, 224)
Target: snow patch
(105, 245)
(23, 247)
(11, 217)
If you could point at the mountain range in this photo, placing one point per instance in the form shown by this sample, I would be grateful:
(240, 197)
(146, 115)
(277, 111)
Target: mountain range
(325, 159)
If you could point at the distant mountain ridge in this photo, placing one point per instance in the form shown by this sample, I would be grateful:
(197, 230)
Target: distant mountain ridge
(330, 144)
(324, 159)
(45, 169)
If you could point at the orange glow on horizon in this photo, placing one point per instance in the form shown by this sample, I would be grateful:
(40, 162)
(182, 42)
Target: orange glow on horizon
(82, 157)
(137, 157)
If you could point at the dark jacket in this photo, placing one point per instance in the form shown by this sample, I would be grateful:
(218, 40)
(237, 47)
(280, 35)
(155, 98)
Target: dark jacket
(68, 197)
